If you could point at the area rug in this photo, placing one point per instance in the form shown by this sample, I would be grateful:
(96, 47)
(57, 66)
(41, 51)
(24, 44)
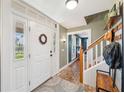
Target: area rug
(57, 84)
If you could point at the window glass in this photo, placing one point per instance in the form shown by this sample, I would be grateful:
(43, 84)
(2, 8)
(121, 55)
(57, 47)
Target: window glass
(19, 43)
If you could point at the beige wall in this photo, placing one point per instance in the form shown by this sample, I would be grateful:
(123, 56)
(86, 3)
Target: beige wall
(63, 47)
(96, 26)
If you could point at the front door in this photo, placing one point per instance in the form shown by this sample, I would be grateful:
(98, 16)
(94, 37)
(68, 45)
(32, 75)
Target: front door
(20, 60)
(40, 57)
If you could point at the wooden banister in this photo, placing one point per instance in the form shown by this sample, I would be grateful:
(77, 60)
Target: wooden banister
(117, 28)
(105, 37)
(81, 64)
(95, 43)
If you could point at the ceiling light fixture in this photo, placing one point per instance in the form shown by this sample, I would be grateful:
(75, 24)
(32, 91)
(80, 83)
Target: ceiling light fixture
(71, 4)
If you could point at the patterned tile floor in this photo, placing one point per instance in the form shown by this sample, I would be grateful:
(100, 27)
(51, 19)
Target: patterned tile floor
(71, 73)
(65, 81)
(57, 84)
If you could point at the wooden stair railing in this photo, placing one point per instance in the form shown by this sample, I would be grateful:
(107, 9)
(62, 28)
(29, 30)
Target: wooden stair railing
(81, 64)
(104, 38)
(118, 27)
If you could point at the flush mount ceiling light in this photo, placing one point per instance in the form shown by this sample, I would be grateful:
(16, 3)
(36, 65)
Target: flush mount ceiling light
(71, 4)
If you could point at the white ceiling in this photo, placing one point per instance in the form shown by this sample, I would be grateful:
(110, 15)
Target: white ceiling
(56, 10)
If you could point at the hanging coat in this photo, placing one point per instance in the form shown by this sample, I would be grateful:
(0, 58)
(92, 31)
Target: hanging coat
(112, 55)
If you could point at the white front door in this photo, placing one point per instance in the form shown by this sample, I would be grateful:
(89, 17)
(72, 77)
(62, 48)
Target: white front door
(40, 59)
(20, 59)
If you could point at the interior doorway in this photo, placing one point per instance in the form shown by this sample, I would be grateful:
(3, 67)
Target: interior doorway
(74, 41)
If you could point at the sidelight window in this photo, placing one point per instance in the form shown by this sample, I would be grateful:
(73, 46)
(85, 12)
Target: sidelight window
(19, 41)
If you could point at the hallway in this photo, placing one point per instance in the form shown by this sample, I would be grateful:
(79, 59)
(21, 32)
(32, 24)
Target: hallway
(65, 81)
(60, 49)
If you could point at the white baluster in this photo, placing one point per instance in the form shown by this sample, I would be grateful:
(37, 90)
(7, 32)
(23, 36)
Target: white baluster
(101, 50)
(108, 42)
(96, 54)
(91, 59)
(87, 59)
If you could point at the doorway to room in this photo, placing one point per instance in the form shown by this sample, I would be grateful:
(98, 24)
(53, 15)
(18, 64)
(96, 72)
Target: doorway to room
(74, 41)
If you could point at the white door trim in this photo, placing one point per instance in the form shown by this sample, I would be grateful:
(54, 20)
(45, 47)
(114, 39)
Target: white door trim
(78, 32)
(5, 45)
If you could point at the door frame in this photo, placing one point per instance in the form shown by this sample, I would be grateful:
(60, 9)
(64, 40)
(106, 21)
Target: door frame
(15, 15)
(122, 89)
(28, 45)
(5, 46)
(78, 32)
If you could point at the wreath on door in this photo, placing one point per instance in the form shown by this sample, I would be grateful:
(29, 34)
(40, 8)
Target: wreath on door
(43, 39)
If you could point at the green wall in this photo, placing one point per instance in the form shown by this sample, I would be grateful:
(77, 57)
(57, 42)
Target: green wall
(96, 26)
(63, 47)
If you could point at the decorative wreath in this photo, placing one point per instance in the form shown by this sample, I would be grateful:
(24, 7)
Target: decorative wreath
(41, 40)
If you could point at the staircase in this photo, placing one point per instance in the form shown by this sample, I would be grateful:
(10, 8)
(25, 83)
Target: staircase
(92, 58)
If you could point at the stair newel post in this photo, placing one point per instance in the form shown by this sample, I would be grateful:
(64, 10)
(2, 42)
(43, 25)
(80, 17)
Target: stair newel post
(81, 64)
